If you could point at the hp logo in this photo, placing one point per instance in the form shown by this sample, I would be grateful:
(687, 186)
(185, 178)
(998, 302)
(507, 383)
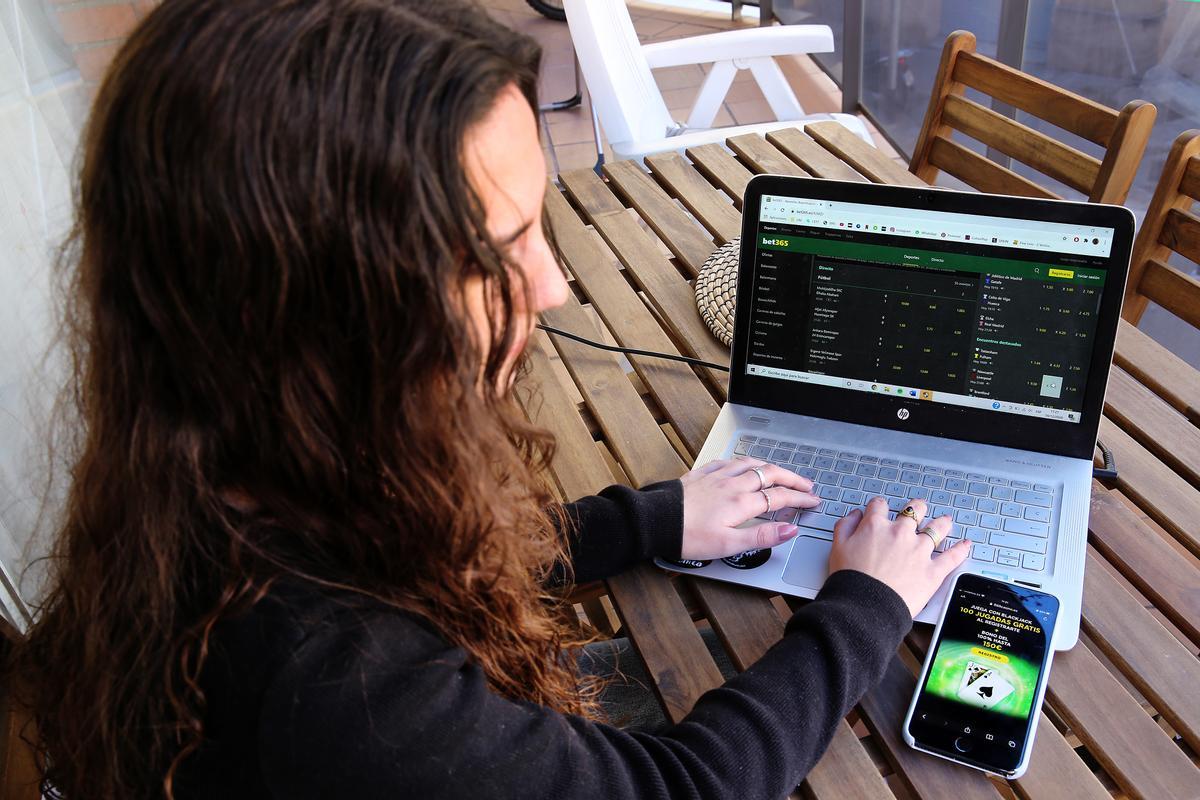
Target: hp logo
(902, 413)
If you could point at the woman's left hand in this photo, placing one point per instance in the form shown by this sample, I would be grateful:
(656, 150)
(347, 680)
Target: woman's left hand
(722, 495)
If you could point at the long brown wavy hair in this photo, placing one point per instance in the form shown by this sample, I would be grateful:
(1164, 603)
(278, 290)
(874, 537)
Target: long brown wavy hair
(274, 378)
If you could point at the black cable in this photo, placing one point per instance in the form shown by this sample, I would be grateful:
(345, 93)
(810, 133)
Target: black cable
(634, 352)
(1109, 470)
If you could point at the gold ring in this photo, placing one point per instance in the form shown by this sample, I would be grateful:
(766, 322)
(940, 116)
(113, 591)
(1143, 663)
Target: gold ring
(928, 531)
(768, 496)
(762, 481)
(909, 512)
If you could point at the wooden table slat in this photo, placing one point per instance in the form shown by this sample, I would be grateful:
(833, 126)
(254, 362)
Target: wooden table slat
(884, 707)
(678, 231)
(761, 156)
(1158, 427)
(700, 197)
(719, 166)
(688, 406)
(1121, 736)
(1056, 770)
(577, 467)
(846, 771)
(1167, 498)
(816, 160)
(748, 625)
(660, 628)
(670, 294)
(864, 158)
(1142, 600)
(651, 612)
(1168, 375)
(744, 619)
(648, 606)
(1152, 659)
(635, 439)
(1148, 561)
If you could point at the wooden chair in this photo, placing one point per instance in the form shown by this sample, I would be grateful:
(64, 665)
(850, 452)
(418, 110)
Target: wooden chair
(19, 779)
(1170, 226)
(1123, 134)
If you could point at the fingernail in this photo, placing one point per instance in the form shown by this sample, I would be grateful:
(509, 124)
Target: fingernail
(787, 532)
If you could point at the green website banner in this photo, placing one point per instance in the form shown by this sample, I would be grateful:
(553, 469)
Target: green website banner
(928, 259)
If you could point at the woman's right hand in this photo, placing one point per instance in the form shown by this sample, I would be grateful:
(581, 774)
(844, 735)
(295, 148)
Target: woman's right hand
(893, 552)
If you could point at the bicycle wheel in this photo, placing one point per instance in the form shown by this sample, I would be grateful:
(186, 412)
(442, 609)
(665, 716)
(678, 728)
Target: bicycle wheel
(552, 9)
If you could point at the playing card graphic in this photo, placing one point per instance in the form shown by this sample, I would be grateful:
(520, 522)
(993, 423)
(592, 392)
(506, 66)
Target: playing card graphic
(972, 672)
(981, 686)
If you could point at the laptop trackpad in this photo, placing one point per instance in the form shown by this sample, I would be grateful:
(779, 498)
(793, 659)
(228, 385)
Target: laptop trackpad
(808, 564)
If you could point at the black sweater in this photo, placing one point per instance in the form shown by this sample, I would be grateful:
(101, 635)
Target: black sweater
(309, 697)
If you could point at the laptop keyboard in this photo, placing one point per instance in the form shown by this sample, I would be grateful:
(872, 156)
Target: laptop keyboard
(1007, 520)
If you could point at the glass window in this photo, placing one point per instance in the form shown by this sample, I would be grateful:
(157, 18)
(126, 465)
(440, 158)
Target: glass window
(902, 46)
(42, 104)
(818, 12)
(1113, 53)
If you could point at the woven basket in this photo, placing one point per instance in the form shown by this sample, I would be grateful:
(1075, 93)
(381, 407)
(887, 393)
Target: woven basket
(716, 290)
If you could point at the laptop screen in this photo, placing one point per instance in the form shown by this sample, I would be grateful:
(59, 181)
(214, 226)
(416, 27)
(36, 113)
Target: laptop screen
(992, 313)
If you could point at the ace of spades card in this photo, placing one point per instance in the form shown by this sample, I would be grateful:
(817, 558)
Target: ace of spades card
(982, 686)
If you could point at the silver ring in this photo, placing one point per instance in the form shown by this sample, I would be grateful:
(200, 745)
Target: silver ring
(767, 495)
(762, 481)
(926, 530)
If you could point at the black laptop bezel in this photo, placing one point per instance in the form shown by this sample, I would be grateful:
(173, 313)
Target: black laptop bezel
(1075, 440)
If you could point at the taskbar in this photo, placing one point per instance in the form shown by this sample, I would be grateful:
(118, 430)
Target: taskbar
(966, 400)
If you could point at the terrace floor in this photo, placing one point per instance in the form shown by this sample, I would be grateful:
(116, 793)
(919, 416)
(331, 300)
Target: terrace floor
(567, 135)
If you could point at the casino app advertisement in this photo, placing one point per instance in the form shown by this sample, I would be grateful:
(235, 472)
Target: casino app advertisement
(989, 655)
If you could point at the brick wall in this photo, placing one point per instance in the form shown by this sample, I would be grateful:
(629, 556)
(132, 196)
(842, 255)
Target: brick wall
(94, 29)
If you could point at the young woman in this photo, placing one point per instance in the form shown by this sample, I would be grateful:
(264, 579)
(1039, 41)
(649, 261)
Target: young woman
(308, 543)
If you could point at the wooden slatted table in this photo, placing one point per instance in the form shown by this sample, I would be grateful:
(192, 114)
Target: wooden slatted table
(1122, 714)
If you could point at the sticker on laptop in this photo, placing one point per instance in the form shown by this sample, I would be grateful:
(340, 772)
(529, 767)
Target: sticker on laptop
(687, 563)
(749, 559)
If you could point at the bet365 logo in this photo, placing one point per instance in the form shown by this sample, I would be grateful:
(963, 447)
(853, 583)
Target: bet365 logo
(775, 242)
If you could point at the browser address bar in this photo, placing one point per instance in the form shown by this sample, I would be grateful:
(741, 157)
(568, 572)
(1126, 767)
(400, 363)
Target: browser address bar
(819, 214)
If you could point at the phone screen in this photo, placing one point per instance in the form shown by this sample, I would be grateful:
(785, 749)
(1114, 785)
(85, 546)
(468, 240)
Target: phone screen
(977, 703)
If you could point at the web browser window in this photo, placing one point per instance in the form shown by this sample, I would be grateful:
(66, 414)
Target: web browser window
(986, 312)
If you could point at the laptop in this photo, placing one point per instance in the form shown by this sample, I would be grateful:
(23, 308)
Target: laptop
(924, 343)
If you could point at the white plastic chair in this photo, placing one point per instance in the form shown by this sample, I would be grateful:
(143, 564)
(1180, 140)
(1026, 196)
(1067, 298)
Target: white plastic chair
(630, 107)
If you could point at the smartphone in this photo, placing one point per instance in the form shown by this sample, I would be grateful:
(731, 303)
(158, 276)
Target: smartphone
(984, 677)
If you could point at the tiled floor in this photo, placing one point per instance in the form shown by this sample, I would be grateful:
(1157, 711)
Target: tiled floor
(568, 139)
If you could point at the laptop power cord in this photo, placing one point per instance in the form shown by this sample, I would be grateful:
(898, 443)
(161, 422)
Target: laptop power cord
(632, 351)
(1107, 472)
